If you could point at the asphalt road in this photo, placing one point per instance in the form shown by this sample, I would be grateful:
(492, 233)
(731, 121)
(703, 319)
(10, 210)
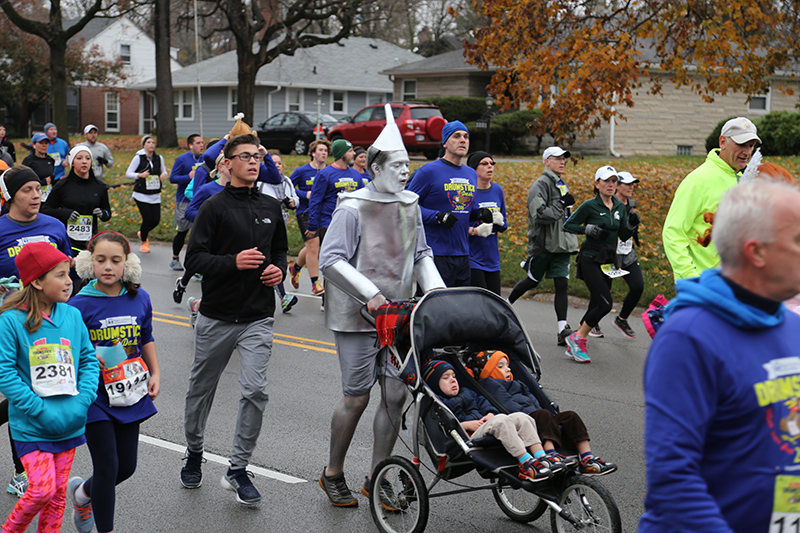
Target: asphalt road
(292, 449)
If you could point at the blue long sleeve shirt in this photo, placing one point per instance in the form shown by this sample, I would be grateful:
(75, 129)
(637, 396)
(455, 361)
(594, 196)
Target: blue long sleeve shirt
(206, 191)
(15, 235)
(183, 165)
(303, 180)
(327, 185)
(484, 252)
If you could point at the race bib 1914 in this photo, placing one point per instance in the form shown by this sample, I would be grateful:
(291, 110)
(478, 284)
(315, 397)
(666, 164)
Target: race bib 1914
(127, 382)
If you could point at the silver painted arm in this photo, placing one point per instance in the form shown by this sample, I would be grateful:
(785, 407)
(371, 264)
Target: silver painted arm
(351, 281)
(428, 275)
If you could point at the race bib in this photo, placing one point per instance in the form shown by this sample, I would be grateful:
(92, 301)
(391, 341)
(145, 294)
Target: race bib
(126, 383)
(96, 167)
(52, 370)
(56, 158)
(613, 272)
(624, 247)
(46, 192)
(563, 189)
(786, 506)
(80, 230)
(152, 183)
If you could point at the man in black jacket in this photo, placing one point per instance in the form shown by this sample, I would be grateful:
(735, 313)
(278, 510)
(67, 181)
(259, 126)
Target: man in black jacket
(239, 245)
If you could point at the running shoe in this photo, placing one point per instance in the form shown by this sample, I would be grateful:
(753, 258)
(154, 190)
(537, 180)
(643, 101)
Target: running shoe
(198, 278)
(192, 471)
(562, 337)
(287, 302)
(176, 265)
(336, 489)
(139, 235)
(534, 470)
(595, 332)
(568, 460)
(145, 247)
(387, 494)
(576, 348)
(317, 288)
(594, 466)
(82, 516)
(194, 309)
(294, 276)
(18, 484)
(621, 324)
(177, 294)
(239, 481)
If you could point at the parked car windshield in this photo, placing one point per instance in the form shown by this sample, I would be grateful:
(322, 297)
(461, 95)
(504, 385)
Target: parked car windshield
(323, 118)
(424, 113)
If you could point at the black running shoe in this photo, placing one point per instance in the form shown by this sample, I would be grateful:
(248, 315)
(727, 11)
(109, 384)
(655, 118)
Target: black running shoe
(192, 471)
(239, 481)
(177, 294)
(562, 337)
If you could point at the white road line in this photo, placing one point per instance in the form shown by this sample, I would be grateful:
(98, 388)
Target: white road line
(214, 458)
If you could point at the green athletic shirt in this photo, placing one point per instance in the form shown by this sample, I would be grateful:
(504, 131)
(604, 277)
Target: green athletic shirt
(594, 211)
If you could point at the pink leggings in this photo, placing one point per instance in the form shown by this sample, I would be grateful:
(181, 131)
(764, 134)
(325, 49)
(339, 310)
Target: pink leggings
(46, 495)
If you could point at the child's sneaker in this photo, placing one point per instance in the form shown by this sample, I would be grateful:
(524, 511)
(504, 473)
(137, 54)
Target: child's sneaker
(595, 332)
(554, 462)
(294, 276)
(194, 306)
(534, 470)
(18, 484)
(621, 324)
(317, 288)
(576, 348)
(239, 481)
(287, 302)
(336, 489)
(568, 460)
(82, 517)
(594, 466)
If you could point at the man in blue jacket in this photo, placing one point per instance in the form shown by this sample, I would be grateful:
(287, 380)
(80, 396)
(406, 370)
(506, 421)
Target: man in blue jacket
(182, 174)
(722, 379)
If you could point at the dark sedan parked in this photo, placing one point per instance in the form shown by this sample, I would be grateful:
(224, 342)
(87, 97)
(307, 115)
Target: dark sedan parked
(292, 131)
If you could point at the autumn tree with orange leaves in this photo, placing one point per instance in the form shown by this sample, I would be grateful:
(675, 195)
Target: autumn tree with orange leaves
(578, 60)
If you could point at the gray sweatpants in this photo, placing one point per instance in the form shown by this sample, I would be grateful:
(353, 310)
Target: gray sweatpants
(214, 342)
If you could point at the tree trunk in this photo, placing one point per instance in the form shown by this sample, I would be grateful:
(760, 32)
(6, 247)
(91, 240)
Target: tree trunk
(248, 68)
(165, 119)
(58, 84)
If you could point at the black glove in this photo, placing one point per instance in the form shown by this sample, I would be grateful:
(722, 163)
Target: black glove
(102, 160)
(634, 219)
(596, 232)
(288, 202)
(567, 200)
(448, 220)
(485, 215)
(73, 217)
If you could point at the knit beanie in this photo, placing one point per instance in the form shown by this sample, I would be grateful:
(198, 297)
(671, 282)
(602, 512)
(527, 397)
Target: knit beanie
(490, 369)
(432, 372)
(476, 157)
(37, 259)
(14, 180)
(339, 148)
(48, 126)
(77, 149)
(452, 127)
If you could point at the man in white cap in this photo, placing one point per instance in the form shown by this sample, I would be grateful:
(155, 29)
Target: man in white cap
(549, 246)
(699, 194)
(374, 249)
(101, 155)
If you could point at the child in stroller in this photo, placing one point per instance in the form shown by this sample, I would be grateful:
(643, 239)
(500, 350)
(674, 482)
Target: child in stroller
(517, 431)
(492, 370)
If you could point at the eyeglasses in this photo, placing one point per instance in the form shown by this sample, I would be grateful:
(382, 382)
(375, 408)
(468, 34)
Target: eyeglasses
(244, 156)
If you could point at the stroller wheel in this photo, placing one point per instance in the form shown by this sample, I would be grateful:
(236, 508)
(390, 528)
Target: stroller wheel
(398, 497)
(518, 504)
(590, 504)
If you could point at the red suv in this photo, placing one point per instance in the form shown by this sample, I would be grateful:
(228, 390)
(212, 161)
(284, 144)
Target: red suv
(420, 125)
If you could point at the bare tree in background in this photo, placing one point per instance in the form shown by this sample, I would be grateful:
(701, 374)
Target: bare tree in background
(165, 119)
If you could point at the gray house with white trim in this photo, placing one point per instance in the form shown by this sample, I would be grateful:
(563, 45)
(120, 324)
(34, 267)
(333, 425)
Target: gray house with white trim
(346, 74)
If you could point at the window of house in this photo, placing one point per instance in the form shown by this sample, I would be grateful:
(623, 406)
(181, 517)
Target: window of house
(684, 149)
(409, 90)
(125, 53)
(337, 102)
(294, 100)
(759, 103)
(183, 101)
(112, 111)
(233, 101)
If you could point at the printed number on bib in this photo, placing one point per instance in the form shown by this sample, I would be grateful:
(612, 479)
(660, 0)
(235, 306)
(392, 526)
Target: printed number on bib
(613, 272)
(126, 383)
(152, 183)
(81, 230)
(52, 370)
(786, 506)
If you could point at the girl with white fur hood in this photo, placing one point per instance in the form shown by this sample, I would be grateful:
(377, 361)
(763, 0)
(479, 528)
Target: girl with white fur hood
(118, 315)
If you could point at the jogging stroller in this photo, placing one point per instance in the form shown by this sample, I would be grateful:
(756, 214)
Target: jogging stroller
(447, 324)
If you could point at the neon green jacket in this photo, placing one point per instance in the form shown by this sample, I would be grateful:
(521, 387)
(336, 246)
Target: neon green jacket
(700, 192)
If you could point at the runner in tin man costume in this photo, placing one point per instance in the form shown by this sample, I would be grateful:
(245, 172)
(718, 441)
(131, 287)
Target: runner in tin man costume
(374, 249)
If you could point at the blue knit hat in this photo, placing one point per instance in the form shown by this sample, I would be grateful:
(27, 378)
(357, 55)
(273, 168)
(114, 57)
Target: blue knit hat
(452, 127)
(48, 126)
(432, 372)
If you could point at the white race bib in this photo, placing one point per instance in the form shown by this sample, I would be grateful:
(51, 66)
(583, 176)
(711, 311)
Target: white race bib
(127, 382)
(80, 230)
(56, 158)
(624, 247)
(152, 183)
(46, 192)
(52, 370)
(613, 272)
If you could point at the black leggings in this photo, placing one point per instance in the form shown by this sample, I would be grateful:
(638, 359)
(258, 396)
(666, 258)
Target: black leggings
(151, 216)
(560, 302)
(114, 448)
(635, 283)
(485, 279)
(178, 241)
(599, 286)
(3, 419)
